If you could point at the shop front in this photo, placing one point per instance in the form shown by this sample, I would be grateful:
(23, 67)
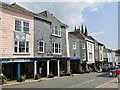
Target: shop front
(75, 65)
(14, 68)
(46, 66)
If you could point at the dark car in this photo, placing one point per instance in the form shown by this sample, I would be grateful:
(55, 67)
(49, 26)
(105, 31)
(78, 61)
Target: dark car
(106, 67)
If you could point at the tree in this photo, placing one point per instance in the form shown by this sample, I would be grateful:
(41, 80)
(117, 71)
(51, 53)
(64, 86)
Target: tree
(118, 51)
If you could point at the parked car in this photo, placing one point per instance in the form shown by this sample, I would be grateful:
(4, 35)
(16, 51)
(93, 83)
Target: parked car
(106, 67)
(118, 66)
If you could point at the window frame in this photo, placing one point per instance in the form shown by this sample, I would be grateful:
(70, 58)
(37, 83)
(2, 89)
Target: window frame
(41, 46)
(83, 45)
(22, 25)
(59, 30)
(83, 55)
(74, 45)
(18, 47)
(59, 48)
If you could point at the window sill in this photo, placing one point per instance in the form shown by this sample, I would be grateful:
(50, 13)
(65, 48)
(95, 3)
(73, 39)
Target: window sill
(56, 35)
(56, 53)
(41, 52)
(21, 53)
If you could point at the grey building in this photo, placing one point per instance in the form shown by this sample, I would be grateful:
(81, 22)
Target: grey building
(77, 46)
(50, 44)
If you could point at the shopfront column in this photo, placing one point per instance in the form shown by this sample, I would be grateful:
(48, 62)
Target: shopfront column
(58, 64)
(68, 65)
(18, 76)
(48, 67)
(35, 68)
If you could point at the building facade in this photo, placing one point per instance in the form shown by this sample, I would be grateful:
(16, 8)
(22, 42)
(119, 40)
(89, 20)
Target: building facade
(90, 52)
(50, 46)
(16, 48)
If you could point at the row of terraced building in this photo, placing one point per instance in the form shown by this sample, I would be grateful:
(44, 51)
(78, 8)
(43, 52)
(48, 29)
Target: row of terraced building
(32, 43)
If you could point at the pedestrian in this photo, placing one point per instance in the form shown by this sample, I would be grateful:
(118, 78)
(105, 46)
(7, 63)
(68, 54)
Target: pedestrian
(117, 72)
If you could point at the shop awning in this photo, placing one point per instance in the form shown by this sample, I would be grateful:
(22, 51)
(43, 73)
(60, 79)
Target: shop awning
(76, 59)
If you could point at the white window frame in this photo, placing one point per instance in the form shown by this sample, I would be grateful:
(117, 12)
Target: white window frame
(59, 48)
(22, 25)
(91, 46)
(90, 57)
(18, 43)
(39, 46)
(74, 45)
(54, 29)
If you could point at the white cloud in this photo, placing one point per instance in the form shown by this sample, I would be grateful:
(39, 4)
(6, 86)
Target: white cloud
(94, 9)
(97, 33)
(68, 11)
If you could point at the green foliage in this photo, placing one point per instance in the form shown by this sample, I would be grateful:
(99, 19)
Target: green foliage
(118, 51)
(87, 71)
(50, 76)
(62, 73)
(67, 73)
(82, 71)
(22, 78)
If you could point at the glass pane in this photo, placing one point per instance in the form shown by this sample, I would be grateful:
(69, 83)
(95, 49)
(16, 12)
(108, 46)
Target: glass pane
(53, 47)
(25, 26)
(15, 49)
(27, 50)
(17, 25)
(21, 46)
(27, 44)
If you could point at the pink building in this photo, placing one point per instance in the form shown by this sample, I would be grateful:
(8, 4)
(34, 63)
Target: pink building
(16, 41)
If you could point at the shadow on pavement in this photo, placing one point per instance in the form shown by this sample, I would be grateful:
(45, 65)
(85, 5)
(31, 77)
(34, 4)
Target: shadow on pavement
(106, 75)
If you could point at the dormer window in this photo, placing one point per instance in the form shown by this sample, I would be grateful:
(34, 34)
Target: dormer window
(56, 30)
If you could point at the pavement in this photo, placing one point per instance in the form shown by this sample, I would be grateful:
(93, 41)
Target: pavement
(14, 82)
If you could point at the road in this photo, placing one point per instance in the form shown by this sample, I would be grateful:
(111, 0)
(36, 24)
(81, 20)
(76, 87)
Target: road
(91, 80)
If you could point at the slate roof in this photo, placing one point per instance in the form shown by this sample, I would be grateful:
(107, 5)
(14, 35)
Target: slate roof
(46, 15)
(78, 34)
(15, 7)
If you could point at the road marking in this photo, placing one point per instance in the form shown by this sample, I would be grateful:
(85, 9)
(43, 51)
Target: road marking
(105, 83)
(72, 87)
(86, 82)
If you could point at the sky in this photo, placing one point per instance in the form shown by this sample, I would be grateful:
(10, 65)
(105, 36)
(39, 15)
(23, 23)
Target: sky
(100, 16)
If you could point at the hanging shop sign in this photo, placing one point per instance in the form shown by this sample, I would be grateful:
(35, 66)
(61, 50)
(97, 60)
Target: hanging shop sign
(19, 36)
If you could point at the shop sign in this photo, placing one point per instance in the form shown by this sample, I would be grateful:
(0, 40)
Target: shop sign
(16, 60)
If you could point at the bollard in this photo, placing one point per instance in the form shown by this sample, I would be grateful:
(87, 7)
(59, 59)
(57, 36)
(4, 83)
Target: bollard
(118, 78)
